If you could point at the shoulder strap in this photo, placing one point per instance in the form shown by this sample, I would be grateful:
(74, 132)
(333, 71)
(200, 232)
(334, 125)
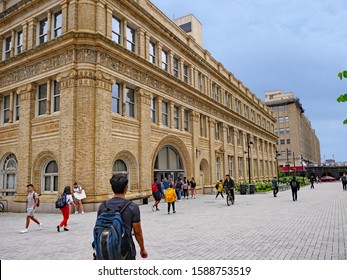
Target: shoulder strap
(124, 206)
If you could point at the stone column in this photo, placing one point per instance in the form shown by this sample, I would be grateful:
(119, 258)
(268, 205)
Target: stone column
(11, 108)
(49, 25)
(108, 22)
(147, 40)
(212, 150)
(160, 111)
(101, 18)
(103, 135)
(191, 75)
(25, 36)
(123, 99)
(159, 49)
(195, 131)
(31, 38)
(64, 14)
(245, 156)
(67, 116)
(27, 95)
(72, 16)
(181, 69)
(181, 114)
(171, 114)
(170, 66)
(141, 42)
(145, 160)
(13, 42)
(1, 46)
(236, 156)
(225, 148)
(124, 33)
(49, 92)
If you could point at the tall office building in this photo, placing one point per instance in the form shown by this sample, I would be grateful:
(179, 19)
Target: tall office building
(93, 88)
(297, 144)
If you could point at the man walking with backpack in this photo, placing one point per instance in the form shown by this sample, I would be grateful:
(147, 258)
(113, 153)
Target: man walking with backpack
(344, 181)
(114, 215)
(295, 187)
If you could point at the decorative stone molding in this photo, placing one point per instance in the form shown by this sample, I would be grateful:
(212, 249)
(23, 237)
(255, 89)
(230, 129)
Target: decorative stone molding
(25, 91)
(144, 96)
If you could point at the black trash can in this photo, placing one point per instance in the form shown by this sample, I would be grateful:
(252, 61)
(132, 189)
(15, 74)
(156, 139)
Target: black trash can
(145, 200)
(251, 189)
(243, 189)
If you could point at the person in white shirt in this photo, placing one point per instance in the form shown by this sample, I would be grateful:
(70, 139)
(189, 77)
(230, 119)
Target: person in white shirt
(78, 202)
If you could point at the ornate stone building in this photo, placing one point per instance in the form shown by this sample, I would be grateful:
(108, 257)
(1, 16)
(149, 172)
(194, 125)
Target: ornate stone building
(94, 87)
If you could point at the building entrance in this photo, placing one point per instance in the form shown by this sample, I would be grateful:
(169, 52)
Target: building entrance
(168, 164)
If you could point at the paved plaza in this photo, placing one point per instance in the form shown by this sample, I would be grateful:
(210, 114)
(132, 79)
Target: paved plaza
(257, 227)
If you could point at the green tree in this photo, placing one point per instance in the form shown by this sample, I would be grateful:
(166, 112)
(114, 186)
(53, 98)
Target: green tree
(343, 97)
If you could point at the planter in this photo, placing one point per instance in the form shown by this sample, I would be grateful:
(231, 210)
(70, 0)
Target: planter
(243, 189)
(251, 189)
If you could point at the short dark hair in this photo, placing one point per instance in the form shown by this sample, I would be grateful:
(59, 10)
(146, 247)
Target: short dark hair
(119, 182)
(227, 175)
(30, 185)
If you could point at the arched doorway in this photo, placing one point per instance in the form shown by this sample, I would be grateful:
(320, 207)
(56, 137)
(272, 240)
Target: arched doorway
(204, 173)
(168, 164)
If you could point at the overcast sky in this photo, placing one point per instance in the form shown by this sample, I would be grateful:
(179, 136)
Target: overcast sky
(295, 46)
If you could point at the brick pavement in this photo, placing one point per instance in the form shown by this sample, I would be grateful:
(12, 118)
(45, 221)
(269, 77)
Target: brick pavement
(257, 227)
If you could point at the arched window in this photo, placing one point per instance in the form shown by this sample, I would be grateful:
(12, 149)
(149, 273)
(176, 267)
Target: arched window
(8, 176)
(120, 167)
(50, 177)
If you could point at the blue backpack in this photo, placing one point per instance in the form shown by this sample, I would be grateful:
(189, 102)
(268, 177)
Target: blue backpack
(109, 234)
(61, 201)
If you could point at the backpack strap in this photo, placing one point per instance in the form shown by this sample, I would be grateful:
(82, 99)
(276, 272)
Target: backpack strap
(124, 206)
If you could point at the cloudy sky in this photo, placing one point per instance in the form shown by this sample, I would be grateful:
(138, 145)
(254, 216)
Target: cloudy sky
(295, 46)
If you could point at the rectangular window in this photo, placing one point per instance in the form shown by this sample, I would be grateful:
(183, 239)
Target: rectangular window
(19, 42)
(57, 24)
(185, 73)
(238, 106)
(56, 96)
(230, 135)
(176, 67)
(286, 119)
(238, 138)
(230, 165)
(116, 99)
(16, 107)
(281, 131)
(164, 60)
(165, 113)
(186, 120)
(6, 109)
(152, 53)
(282, 141)
(202, 126)
(288, 141)
(116, 30)
(42, 99)
(131, 39)
(176, 117)
(130, 102)
(43, 25)
(8, 46)
(153, 110)
(280, 119)
(227, 99)
(287, 130)
(218, 127)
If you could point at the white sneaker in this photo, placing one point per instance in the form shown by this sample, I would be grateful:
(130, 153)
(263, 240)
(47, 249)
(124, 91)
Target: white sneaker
(24, 231)
(76, 212)
(82, 212)
(40, 226)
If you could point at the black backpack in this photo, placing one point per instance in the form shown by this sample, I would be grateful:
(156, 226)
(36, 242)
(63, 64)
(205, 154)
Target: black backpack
(61, 201)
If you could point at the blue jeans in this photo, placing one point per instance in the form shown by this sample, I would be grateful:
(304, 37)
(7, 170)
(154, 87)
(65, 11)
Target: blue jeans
(179, 194)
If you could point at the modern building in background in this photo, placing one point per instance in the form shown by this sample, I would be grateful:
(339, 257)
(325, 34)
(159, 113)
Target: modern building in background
(93, 88)
(297, 143)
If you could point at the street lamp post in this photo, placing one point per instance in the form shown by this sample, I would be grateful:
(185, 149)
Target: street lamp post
(277, 155)
(287, 164)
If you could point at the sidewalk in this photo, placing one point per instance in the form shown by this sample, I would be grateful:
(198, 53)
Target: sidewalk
(257, 227)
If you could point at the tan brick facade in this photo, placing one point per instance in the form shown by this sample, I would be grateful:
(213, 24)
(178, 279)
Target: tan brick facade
(89, 103)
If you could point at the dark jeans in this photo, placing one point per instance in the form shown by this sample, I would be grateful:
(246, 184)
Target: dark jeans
(312, 185)
(169, 206)
(220, 194)
(185, 193)
(295, 194)
(344, 185)
(275, 191)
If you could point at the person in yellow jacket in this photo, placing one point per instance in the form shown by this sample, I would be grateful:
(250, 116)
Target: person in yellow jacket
(219, 187)
(170, 198)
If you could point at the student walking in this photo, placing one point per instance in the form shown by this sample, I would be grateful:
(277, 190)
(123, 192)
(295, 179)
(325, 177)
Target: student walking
(344, 181)
(185, 187)
(193, 188)
(295, 187)
(275, 186)
(178, 188)
(130, 217)
(66, 209)
(33, 200)
(157, 194)
(312, 179)
(219, 187)
(170, 198)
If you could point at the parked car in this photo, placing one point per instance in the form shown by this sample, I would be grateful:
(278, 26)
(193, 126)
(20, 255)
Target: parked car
(328, 179)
